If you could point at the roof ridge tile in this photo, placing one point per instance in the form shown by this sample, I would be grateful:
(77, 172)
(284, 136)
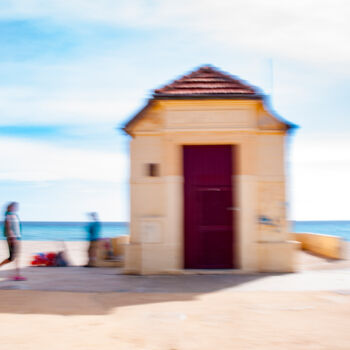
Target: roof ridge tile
(209, 79)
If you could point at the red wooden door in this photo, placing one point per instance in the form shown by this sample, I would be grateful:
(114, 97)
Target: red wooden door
(208, 206)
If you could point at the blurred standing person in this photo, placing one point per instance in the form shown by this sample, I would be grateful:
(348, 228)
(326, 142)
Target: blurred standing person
(93, 229)
(12, 231)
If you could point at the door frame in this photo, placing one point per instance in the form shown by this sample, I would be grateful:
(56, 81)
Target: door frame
(236, 249)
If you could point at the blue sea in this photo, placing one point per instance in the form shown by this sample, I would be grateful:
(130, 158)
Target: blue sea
(68, 231)
(76, 231)
(333, 228)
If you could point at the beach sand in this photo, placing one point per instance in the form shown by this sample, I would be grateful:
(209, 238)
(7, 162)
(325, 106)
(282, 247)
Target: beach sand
(77, 254)
(100, 308)
(75, 250)
(222, 320)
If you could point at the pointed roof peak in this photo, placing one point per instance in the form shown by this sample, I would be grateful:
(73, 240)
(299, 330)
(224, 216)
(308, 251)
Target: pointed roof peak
(206, 67)
(208, 81)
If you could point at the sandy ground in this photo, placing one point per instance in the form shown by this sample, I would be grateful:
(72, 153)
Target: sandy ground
(100, 308)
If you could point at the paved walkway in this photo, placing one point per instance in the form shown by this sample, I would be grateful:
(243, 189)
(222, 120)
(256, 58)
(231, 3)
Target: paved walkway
(80, 279)
(315, 274)
(100, 308)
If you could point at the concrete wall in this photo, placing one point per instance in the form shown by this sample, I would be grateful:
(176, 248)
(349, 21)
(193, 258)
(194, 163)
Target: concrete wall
(324, 245)
(258, 177)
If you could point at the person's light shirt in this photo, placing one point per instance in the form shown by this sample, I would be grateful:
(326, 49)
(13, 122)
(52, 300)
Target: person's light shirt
(14, 224)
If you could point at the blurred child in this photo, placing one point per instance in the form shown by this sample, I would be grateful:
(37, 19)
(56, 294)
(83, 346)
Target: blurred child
(93, 230)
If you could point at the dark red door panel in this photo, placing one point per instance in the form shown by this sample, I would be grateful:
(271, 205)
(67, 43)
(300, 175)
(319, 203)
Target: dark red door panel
(208, 206)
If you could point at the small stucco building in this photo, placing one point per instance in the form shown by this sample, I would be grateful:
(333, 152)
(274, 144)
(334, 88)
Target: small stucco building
(207, 180)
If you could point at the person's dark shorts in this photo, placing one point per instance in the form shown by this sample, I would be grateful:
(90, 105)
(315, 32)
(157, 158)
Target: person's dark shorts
(13, 248)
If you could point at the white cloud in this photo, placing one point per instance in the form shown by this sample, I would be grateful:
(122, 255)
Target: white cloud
(78, 92)
(40, 162)
(312, 31)
(320, 192)
(320, 173)
(321, 149)
(108, 88)
(99, 89)
(64, 106)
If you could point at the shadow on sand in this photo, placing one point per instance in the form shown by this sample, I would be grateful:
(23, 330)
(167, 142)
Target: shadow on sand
(96, 291)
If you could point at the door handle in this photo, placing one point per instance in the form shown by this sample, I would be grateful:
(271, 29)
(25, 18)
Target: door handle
(233, 208)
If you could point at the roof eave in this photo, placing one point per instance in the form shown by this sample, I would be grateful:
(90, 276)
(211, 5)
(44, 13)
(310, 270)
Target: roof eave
(208, 97)
(156, 97)
(290, 127)
(137, 116)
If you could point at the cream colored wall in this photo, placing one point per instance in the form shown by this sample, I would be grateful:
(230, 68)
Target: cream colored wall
(147, 194)
(156, 239)
(259, 180)
(271, 188)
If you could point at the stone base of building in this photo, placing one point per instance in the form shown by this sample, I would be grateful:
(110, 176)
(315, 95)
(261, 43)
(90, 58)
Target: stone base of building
(144, 259)
(277, 256)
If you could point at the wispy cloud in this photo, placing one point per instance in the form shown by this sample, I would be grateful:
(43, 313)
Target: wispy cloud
(25, 39)
(31, 131)
(309, 31)
(65, 106)
(39, 161)
(67, 200)
(113, 70)
(69, 68)
(319, 177)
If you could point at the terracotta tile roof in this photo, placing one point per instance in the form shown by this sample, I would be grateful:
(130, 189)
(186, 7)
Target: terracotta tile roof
(205, 82)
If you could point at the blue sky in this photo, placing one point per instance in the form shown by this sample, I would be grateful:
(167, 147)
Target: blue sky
(72, 72)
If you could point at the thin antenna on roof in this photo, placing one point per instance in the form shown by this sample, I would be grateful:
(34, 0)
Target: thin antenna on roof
(271, 77)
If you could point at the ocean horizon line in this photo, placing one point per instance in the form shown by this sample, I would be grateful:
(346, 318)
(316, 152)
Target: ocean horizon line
(76, 230)
(320, 220)
(72, 222)
(128, 222)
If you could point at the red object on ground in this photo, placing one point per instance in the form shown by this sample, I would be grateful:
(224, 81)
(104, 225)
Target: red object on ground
(47, 259)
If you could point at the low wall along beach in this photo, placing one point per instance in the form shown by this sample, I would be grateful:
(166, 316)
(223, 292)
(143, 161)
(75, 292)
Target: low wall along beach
(325, 245)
